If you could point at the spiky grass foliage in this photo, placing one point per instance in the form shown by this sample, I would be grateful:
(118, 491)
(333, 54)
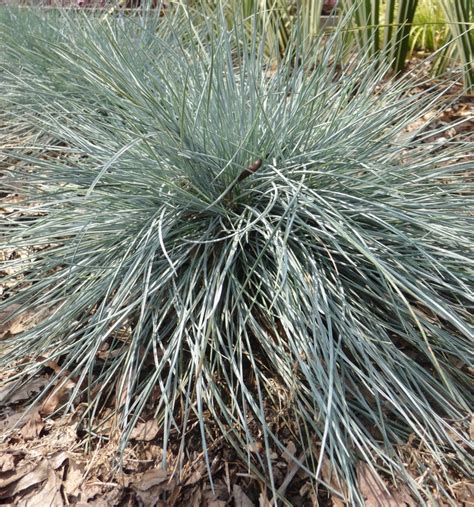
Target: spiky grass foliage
(223, 242)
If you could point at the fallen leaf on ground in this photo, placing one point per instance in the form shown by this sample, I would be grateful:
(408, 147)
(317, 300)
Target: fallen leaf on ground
(464, 493)
(152, 484)
(376, 493)
(216, 503)
(196, 476)
(33, 427)
(59, 459)
(289, 453)
(196, 499)
(48, 495)
(255, 447)
(7, 462)
(6, 479)
(152, 478)
(15, 392)
(6, 314)
(9, 420)
(146, 431)
(74, 478)
(57, 397)
(263, 500)
(240, 498)
(329, 477)
(88, 493)
(30, 476)
(25, 320)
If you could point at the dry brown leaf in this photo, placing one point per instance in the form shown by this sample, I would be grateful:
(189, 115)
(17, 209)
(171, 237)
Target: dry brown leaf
(151, 485)
(58, 459)
(195, 477)
(146, 431)
(329, 477)
(5, 326)
(196, 499)
(49, 363)
(471, 429)
(121, 391)
(152, 452)
(35, 475)
(216, 503)
(57, 397)
(289, 452)
(255, 447)
(314, 499)
(7, 462)
(105, 426)
(240, 498)
(9, 420)
(373, 488)
(88, 493)
(337, 502)
(376, 493)
(6, 479)
(74, 478)
(465, 494)
(22, 322)
(49, 495)
(33, 427)
(403, 497)
(152, 478)
(13, 392)
(110, 495)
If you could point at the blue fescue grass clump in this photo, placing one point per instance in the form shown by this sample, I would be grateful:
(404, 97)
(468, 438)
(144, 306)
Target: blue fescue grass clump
(225, 241)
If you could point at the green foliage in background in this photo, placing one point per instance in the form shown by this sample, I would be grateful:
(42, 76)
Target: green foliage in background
(227, 244)
(392, 28)
(460, 18)
(388, 29)
(278, 20)
(430, 31)
(383, 27)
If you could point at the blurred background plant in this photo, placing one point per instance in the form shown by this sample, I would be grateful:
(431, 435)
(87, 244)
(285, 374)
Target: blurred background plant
(393, 29)
(390, 30)
(429, 31)
(460, 18)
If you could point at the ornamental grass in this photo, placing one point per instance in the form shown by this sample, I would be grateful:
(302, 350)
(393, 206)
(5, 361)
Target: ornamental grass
(226, 241)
